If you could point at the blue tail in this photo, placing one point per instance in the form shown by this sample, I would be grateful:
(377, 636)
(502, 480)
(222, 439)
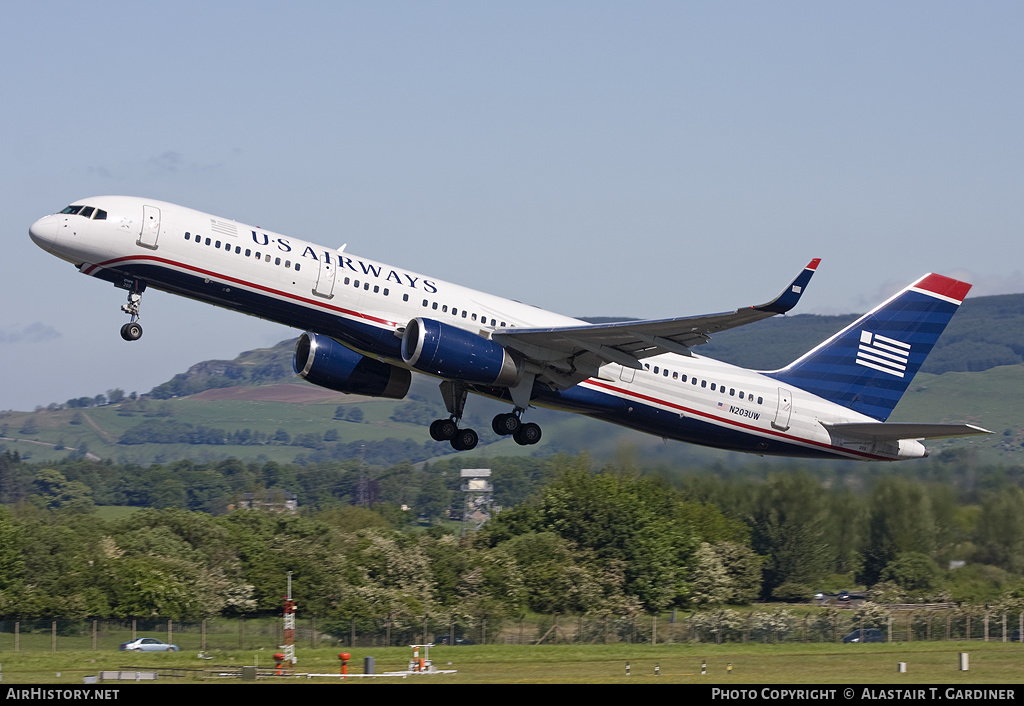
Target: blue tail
(869, 365)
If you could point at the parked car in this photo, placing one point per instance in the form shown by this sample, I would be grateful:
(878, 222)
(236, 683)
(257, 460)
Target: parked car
(844, 596)
(147, 644)
(444, 640)
(865, 635)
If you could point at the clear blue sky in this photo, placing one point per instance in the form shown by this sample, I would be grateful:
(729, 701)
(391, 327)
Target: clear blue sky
(644, 159)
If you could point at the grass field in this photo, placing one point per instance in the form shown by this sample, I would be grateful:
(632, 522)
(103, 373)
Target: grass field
(927, 663)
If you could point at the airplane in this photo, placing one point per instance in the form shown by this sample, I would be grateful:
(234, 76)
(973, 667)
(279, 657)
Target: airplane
(368, 325)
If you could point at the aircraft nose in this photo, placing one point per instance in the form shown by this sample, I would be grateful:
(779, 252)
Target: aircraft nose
(44, 231)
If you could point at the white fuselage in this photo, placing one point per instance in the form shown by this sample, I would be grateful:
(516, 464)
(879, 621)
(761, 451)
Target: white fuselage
(367, 304)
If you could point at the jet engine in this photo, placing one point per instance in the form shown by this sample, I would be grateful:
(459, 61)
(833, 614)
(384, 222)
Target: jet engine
(456, 354)
(323, 361)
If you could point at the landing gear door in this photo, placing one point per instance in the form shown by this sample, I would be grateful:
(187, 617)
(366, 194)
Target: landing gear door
(325, 279)
(785, 410)
(150, 227)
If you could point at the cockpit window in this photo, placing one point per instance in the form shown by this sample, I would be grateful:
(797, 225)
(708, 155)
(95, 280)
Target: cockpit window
(96, 214)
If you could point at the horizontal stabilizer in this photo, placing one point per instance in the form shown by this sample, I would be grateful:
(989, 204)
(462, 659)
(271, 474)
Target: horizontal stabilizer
(881, 431)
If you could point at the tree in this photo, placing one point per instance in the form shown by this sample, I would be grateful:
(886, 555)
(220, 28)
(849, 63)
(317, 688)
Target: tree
(791, 530)
(625, 522)
(57, 493)
(900, 520)
(999, 535)
(915, 573)
(710, 582)
(557, 577)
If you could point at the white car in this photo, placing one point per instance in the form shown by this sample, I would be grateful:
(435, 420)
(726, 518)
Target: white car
(148, 644)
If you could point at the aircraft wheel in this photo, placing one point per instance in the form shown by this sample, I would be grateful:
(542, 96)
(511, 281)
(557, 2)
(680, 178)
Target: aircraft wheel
(464, 440)
(527, 434)
(132, 331)
(505, 424)
(442, 429)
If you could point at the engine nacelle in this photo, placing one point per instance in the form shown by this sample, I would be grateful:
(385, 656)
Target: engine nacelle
(323, 361)
(456, 354)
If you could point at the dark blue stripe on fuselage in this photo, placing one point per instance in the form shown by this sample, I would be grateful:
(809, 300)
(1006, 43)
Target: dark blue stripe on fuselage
(362, 335)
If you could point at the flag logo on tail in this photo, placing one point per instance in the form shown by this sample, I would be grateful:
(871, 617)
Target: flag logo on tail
(883, 353)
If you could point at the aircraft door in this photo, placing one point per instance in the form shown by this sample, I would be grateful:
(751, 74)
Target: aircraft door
(150, 227)
(785, 410)
(325, 279)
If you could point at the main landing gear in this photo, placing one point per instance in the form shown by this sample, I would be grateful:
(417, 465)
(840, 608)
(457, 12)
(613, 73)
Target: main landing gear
(132, 331)
(454, 394)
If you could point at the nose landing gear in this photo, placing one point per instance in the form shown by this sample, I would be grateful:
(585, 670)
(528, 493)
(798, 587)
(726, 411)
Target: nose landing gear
(132, 331)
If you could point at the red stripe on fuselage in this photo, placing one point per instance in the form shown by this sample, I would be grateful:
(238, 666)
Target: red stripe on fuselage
(730, 422)
(111, 264)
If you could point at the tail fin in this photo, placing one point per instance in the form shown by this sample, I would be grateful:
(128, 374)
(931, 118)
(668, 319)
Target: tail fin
(869, 365)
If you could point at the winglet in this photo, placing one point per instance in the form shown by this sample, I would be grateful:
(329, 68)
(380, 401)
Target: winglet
(791, 295)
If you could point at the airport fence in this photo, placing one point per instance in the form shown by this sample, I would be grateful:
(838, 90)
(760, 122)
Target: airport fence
(758, 625)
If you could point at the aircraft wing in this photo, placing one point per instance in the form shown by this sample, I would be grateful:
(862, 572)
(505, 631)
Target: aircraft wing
(886, 431)
(570, 354)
